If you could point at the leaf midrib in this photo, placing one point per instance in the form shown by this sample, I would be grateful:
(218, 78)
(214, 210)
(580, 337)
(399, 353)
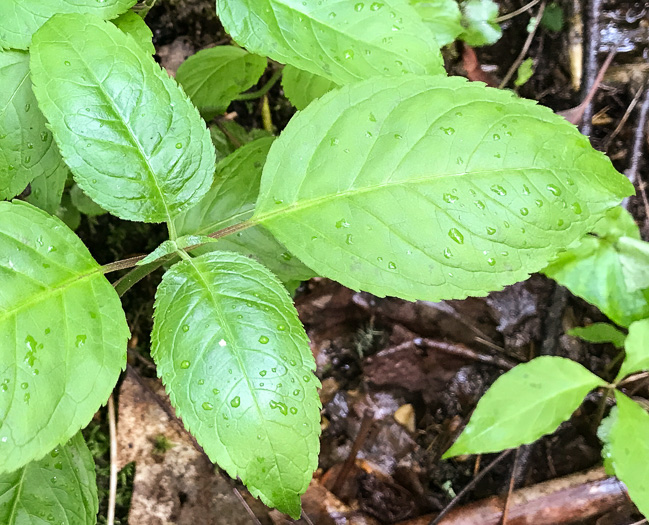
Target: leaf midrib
(47, 293)
(14, 508)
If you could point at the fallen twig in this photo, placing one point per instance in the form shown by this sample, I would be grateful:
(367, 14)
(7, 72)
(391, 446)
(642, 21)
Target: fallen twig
(590, 62)
(555, 502)
(112, 486)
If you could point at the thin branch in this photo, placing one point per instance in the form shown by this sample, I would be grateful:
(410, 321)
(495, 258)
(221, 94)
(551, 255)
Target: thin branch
(469, 487)
(526, 47)
(265, 89)
(625, 117)
(520, 11)
(112, 490)
(512, 479)
(590, 61)
(243, 502)
(638, 150)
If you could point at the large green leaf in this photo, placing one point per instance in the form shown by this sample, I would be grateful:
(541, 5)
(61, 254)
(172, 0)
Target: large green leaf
(232, 200)
(338, 39)
(237, 366)
(594, 269)
(636, 348)
(527, 402)
(442, 17)
(302, 87)
(20, 19)
(431, 187)
(62, 334)
(59, 488)
(626, 448)
(214, 77)
(134, 142)
(27, 150)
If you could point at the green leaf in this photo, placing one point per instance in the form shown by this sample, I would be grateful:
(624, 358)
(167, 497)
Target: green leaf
(83, 203)
(133, 141)
(603, 433)
(169, 247)
(553, 17)
(636, 349)
(431, 187)
(69, 213)
(133, 24)
(215, 77)
(59, 488)
(442, 17)
(478, 21)
(235, 136)
(634, 257)
(525, 72)
(27, 150)
(527, 402)
(238, 368)
(627, 449)
(47, 190)
(20, 19)
(599, 333)
(231, 201)
(302, 87)
(63, 334)
(594, 270)
(340, 40)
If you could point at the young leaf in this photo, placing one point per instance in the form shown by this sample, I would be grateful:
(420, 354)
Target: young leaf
(20, 19)
(593, 269)
(527, 402)
(442, 17)
(134, 25)
(525, 72)
(302, 87)
(169, 247)
(431, 187)
(214, 77)
(238, 368)
(132, 139)
(63, 334)
(627, 449)
(85, 204)
(27, 150)
(599, 333)
(634, 257)
(47, 190)
(341, 40)
(478, 21)
(232, 200)
(59, 488)
(636, 348)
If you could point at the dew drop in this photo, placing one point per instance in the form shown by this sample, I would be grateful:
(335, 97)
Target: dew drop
(448, 131)
(27, 107)
(349, 54)
(499, 190)
(392, 266)
(349, 239)
(397, 136)
(376, 6)
(262, 373)
(480, 205)
(496, 136)
(491, 261)
(67, 62)
(555, 190)
(215, 391)
(456, 235)
(372, 117)
(24, 386)
(263, 339)
(448, 253)
(207, 405)
(342, 223)
(81, 340)
(335, 142)
(450, 198)
(235, 402)
(179, 145)
(359, 7)
(185, 328)
(184, 364)
(576, 208)
(296, 392)
(279, 406)
(281, 327)
(293, 410)
(524, 211)
(491, 231)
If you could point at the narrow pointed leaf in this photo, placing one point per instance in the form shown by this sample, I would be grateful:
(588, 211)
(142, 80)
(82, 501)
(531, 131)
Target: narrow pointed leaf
(214, 77)
(231, 201)
(134, 142)
(20, 19)
(527, 402)
(47, 190)
(27, 150)
(431, 187)
(340, 40)
(62, 334)
(170, 247)
(599, 333)
(636, 348)
(238, 368)
(302, 87)
(133, 24)
(627, 449)
(59, 488)
(594, 270)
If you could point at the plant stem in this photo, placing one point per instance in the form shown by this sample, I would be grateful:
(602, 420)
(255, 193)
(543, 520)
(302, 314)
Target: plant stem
(133, 277)
(265, 89)
(508, 16)
(112, 492)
